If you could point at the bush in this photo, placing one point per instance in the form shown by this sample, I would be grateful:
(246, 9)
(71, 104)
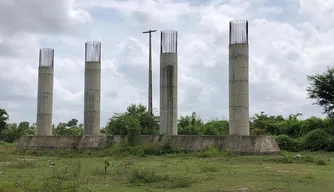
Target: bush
(124, 149)
(291, 158)
(142, 176)
(288, 144)
(208, 168)
(212, 152)
(331, 145)
(157, 150)
(317, 140)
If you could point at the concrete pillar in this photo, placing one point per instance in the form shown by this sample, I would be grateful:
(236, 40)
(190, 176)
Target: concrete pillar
(92, 95)
(45, 92)
(168, 83)
(238, 78)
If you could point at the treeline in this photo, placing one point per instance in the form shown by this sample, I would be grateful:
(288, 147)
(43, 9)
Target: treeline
(291, 133)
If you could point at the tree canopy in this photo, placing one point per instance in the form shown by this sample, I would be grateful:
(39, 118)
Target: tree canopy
(322, 90)
(3, 119)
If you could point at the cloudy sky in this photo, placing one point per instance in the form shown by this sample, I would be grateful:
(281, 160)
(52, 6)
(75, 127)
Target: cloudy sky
(288, 40)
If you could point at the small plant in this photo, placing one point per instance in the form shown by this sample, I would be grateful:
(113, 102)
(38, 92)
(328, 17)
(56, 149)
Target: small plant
(211, 152)
(106, 165)
(321, 162)
(181, 182)
(146, 176)
(142, 176)
(66, 170)
(158, 149)
(123, 168)
(208, 168)
(177, 182)
(22, 164)
(3, 143)
(290, 158)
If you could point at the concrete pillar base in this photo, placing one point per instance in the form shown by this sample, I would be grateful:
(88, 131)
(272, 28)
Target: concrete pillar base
(191, 143)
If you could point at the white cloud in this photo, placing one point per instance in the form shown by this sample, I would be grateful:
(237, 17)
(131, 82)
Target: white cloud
(283, 50)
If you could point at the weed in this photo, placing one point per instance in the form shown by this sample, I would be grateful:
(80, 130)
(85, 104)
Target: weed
(66, 170)
(142, 176)
(123, 149)
(23, 164)
(175, 182)
(122, 168)
(147, 176)
(3, 143)
(208, 168)
(106, 165)
(212, 152)
(290, 158)
(181, 182)
(158, 149)
(321, 162)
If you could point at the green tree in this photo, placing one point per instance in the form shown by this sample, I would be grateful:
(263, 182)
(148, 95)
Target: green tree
(63, 129)
(216, 127)
(117, 124)
(321, 89)
(13, 132)
(263, 124)
(3, 119)
(190, 125)
(72, 122)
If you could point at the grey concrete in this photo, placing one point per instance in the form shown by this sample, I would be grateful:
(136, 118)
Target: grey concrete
(168, 94)
(234, 144)
(61, 142)
(92, 88)
(45, 92)
(169, 86)
(238, 83)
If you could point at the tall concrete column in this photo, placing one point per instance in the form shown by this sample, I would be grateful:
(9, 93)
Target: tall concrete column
(238, 78)
(92, 95)
(45, 92)
(168, 83)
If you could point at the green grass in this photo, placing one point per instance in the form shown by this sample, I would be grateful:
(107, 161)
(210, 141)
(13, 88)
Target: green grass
(211, 171)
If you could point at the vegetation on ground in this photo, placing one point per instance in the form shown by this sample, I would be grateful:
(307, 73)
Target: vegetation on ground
(132, 168)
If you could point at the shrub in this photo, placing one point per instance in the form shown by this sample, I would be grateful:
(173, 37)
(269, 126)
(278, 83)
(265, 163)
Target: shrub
(209, 168)
(211, 152)
(317, 140)
(291, 158)
(158, 149)
(287, 143)
(142, 176)
(331, 145)
(124, 149)
(321, 162)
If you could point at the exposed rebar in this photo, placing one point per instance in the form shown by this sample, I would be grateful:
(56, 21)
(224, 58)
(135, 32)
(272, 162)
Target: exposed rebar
(93, 51)
(168, 41)
(238, 31)
(46, 57)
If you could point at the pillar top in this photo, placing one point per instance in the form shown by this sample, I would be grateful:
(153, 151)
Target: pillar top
(238, 31)
(93, 51)
(46, 57)
(168, 43)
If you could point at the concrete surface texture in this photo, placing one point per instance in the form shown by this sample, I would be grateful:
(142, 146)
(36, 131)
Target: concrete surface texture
(234, 144)
(168, 83)
(45, 92)
(92, 88)
(238, 79)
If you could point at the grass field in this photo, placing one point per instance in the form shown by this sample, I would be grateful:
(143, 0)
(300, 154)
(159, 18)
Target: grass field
(210, 171)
